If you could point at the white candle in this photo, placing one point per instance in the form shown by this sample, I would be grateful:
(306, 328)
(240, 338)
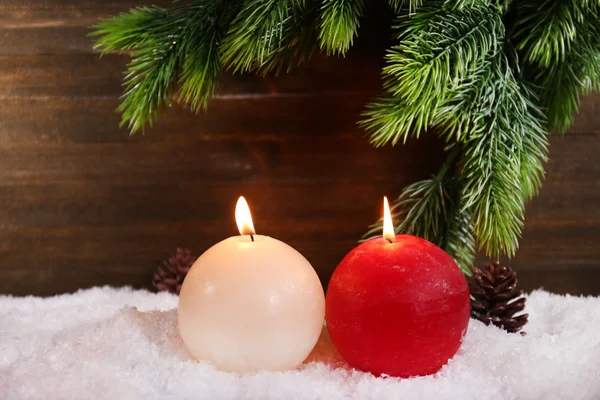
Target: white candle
(251, 302)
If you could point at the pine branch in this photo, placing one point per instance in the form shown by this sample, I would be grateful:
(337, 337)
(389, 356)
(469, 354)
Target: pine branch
(561, 85)
(496, 181)
(339, 24)
(201, 64)
(438, 47)
(560, 44)
(127, 30)
(459, 240)
(412, 5)
(546, 29)
(300, 40)
(151, 75)
(461, 115)
(432, 209)
(398, 5)
(437, 51)
(266, 34)
(453, 69)
(389, 120)
(535, 147)
(171, 48)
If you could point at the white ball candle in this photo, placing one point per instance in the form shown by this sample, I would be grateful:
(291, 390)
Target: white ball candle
(251, 303)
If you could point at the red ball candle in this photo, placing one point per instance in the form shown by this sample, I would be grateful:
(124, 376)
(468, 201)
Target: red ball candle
(397, 305)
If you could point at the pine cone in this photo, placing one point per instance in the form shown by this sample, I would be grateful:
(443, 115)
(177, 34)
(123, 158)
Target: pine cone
(172, 272)
(495, 297)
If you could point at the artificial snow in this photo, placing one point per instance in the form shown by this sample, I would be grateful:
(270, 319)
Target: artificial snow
(106, 343)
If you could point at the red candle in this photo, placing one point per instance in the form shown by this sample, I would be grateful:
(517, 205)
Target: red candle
(397, 305)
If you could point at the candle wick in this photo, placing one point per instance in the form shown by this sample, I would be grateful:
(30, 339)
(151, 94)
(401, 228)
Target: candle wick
(252, 237)
(389, 240)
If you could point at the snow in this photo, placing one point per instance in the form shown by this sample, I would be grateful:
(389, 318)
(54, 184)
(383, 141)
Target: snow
(106, 343)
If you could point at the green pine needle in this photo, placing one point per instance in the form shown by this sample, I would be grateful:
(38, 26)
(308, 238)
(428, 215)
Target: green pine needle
(432, 209)
(127, 30)
(398, 5)
(561, 85)
(300, 40)
(266, 34)
(170, 49)
(560, 43)
(453, 70)
(438, 48)
(389, 120)
(339, 24)
(496, 181)
(424, 89)
(546, 29)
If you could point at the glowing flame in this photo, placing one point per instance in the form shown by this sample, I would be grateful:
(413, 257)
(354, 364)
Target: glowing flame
(243, 218)
(388, 227)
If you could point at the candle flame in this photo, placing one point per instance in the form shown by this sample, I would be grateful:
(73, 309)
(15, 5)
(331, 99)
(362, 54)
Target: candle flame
(243, 218)
(388, 226)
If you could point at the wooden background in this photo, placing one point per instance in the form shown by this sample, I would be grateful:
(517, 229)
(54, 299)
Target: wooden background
(82, 203)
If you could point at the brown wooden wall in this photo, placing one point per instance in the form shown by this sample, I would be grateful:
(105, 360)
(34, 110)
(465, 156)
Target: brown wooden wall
(82, 203)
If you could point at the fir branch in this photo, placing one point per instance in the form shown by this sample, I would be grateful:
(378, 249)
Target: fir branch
(267, 34)
(453, 69)
(127, 30)
(591, 82)
(496, 180)
(432, 209)
(255, 33)
(438, 47)
(560, 44)
(462, 114)
(339, 24)
(151, 75)
(398, 5)
(459, 240)
(201, 64)
(535, 147)
(170, 48)
(546, 29)
(389, 120)
(561, 85)
(299, 42)
(412, 5)
(424, 69)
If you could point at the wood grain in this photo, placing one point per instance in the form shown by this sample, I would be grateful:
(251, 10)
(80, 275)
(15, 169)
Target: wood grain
(89, 75)
(90, 120)
(83, 203)
(55, 26)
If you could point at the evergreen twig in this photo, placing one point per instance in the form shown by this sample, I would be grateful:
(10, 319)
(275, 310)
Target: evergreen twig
(339, 24)
(432, 209)
(492, 96)
(560, 41)
(170, 49)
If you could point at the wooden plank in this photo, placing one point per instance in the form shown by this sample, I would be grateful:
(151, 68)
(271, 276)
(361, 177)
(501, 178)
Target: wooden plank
(69, 75)
(82, 235)
(60, 267)
(82, 203)
(567, 278)
(327, 159)
(62, 26)
(101, 225)
(572, 276)
(44, 77)
(559, 250)
(564, 221)
(104, 204)
(94, 120)
(587, 120)
(55, 26)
